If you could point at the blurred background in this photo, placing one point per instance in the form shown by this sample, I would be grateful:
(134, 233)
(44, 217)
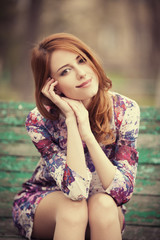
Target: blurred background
(125, 34)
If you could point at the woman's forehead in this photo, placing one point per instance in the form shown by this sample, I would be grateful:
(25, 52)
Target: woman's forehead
(61, 58)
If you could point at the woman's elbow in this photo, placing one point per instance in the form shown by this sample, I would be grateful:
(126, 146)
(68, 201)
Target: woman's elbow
(123, 194)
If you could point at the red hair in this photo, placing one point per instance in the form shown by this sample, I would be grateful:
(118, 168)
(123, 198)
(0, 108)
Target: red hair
(100, 109)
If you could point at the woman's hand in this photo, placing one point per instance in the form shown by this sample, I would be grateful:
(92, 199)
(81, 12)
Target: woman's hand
(70, 108)
(50, 92)
(82, 117)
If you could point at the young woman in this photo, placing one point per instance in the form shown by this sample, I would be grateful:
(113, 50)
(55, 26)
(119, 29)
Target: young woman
(86, 136)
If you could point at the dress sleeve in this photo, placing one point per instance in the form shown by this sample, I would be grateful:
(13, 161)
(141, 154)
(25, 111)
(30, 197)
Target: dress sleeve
(126, 157)
(55, 168)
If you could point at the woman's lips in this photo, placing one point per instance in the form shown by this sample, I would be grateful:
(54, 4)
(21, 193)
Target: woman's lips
(84, 84)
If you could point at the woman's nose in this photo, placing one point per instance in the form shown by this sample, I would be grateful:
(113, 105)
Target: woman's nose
(81, 73)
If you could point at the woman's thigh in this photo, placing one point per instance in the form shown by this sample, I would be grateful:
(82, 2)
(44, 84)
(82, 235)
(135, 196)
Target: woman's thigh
(45, 215)
(50, 209)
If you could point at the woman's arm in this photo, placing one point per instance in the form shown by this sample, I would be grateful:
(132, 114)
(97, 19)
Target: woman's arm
(117, 177)
(75, 150)
(126, 154)
(67, 167)
(104, 168)
(49, 138)
(118, 180)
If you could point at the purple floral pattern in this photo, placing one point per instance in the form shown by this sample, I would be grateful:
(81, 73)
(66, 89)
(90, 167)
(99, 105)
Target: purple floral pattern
(53, 174)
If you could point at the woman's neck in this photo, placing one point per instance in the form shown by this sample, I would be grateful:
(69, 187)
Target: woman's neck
(86, 103)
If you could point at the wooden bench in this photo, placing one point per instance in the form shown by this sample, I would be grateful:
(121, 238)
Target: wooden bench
(18, 158)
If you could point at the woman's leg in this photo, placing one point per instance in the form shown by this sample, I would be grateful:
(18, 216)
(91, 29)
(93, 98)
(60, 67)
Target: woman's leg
(57, 217)
(105, 218)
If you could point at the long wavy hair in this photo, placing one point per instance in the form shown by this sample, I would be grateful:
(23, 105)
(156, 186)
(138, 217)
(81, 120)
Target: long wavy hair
(100, 109)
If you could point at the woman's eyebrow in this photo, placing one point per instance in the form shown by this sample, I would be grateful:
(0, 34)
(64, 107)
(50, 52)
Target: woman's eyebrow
(66, 65)
(78, 57)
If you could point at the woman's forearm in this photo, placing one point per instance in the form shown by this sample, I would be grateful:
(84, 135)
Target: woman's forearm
(105, 169)
(75, 151)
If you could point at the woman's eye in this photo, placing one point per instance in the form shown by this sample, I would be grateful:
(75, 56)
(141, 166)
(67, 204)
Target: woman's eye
(65, 71)
(82, 60)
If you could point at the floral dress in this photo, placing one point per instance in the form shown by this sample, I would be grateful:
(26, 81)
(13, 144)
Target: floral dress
(53, 174)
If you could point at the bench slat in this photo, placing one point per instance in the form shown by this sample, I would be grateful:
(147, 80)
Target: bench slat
(18, 163)
(149, 155)
(144, 186)
(16, 105)
(150, 127)
(143, 210)
(148, 141)
(19, 149)
(8, 230)
(141, 232)
(150, 114)
(149, 172)
(12, 134)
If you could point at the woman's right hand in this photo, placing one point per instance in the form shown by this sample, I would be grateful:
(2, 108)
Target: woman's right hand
(48, 90)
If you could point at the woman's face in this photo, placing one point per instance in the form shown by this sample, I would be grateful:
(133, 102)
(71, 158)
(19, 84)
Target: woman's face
(76, 79)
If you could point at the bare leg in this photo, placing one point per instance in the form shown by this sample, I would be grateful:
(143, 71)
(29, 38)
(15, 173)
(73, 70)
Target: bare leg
(57, 217)
(105, 218)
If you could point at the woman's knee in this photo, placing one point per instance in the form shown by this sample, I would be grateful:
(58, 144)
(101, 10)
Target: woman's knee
(102, 209)
(73, 213)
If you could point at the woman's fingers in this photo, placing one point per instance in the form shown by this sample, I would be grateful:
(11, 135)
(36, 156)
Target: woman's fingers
(49, 91)
(51, 88)
(78, 108)
(48, 88)
(82, 117)
(47, 84)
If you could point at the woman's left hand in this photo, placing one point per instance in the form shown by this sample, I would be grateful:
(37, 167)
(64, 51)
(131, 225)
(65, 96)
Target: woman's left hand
(82, 117)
